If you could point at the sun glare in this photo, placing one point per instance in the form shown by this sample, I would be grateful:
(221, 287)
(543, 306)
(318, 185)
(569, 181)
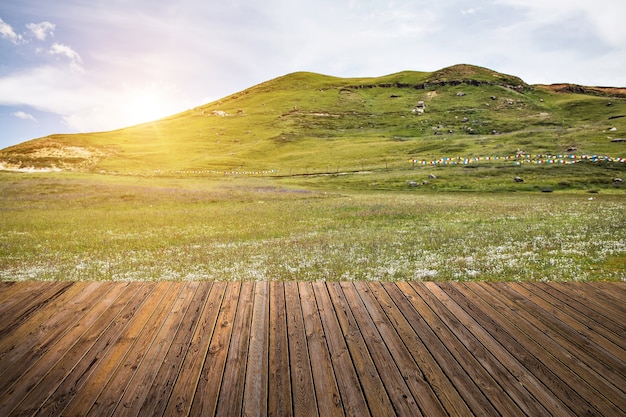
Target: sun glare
(146, 103)
(145, 106)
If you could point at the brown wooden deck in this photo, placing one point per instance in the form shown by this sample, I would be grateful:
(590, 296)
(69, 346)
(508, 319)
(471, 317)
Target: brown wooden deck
(330, 349)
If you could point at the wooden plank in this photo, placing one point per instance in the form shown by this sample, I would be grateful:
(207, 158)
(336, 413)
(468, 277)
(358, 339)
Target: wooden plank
(302, 388)
(373, 387)
(611, 295)
(138, 388)
(227, 351)
(6, 284)
(575, 372)
(208, 389)
(15, 295)
(25, 370)
(255, 395)
(433, 374)
(26, 339)
(24, 347)
(524, 350)
(182, 394)
(84, 399)
(425, 398)
(522, 386)
(80, 373)
(231, 393)
(578, 322)
(35, 300)
(486, 367)
(279, 391)
(113, 391)
(326, 390)
(593, 321)
(430, 329)
(352, 396)
(617, 290)
(9, 290)
(613, 316)
(161, 388)
(73, 350)
(610, 368)
(397, 389)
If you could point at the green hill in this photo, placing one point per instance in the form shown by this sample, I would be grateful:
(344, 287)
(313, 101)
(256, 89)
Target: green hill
(305, 123)
(309, 177)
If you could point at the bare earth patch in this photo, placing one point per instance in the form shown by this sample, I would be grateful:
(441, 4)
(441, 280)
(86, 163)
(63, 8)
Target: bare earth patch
(56, 157)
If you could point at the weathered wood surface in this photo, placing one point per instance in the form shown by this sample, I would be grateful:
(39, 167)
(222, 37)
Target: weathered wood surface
(313, 349)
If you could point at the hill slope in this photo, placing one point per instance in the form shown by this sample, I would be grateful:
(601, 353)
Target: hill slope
(305, 121)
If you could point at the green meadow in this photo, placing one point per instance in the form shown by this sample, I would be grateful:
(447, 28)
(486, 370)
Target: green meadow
(459, 174)
(88, 227)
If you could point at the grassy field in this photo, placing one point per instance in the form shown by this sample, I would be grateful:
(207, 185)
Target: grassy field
(71, 226)
(311, 177)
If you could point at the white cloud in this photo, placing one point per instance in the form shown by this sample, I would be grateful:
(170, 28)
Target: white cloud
(7, 32)
(87, 105)
(176, 53)
(41, 30)
(45, 88)
(68, 52)
(24, 116)
(468, 11)
(605, 15)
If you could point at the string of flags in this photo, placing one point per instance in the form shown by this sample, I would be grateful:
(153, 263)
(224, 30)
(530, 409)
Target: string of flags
(214, 172)
(520, 159)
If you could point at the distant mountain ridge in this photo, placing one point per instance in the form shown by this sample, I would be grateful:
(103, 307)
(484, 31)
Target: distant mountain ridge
(582, 89)
(313, 122)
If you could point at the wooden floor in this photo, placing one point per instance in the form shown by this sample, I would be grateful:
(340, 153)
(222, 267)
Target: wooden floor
(279, 349)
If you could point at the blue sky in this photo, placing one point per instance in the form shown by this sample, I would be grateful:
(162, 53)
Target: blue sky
(88, 65)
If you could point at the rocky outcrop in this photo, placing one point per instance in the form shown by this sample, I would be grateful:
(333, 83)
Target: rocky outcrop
(581, 89)
(439, 83)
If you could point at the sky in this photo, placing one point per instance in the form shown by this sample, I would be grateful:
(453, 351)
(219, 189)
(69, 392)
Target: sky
(70, 66)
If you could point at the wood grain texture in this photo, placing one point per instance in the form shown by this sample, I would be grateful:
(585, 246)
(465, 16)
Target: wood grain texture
(321, 349)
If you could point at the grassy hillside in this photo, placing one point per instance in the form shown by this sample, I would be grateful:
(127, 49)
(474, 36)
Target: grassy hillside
(306, 123)
(310, 177)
